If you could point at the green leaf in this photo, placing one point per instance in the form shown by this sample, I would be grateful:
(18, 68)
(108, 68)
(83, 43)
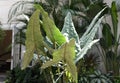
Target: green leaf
(107, 35)
(69, 31)
(114, 18)
(34, 39)
(65, 53)
(50, 28)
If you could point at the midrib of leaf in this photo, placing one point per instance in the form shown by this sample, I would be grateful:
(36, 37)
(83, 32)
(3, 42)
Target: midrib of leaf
(34, 34)
(33, 31)
(64, 53)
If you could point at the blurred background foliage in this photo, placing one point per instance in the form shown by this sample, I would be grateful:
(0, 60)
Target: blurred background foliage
(83, 12)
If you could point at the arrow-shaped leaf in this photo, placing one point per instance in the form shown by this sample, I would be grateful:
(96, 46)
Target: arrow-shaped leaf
(34, 39)
(65, 53)
(114, 16)
(69, 31)
(88, 42)
(90, 27)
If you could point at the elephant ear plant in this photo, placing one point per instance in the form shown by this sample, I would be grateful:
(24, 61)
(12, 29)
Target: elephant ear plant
(55, 49)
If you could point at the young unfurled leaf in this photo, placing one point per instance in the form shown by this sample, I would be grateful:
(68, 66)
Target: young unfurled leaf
(69, 31)
(34, 40)
(50, 28)
(65, 54)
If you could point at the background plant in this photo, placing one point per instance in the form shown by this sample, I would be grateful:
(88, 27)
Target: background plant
(29, 75)
(95, 77)
(110, 42)
(19, 16)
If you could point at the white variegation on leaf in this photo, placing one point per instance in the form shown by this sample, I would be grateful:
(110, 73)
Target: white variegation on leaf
(69, 32)
(88, 40)
(85, 49)
(91, 26)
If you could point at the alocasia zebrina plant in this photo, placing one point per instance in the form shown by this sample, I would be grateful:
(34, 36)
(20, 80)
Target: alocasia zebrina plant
(66, 47)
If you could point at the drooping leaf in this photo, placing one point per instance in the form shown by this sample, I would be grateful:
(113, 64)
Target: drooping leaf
(88, 42)
(114, 18)
(50, 28)
(69, 53)
(34, 40)
(69, 31)
(65, 54)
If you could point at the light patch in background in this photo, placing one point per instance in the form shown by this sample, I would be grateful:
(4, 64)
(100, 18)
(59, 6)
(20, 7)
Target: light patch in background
(5, 5)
